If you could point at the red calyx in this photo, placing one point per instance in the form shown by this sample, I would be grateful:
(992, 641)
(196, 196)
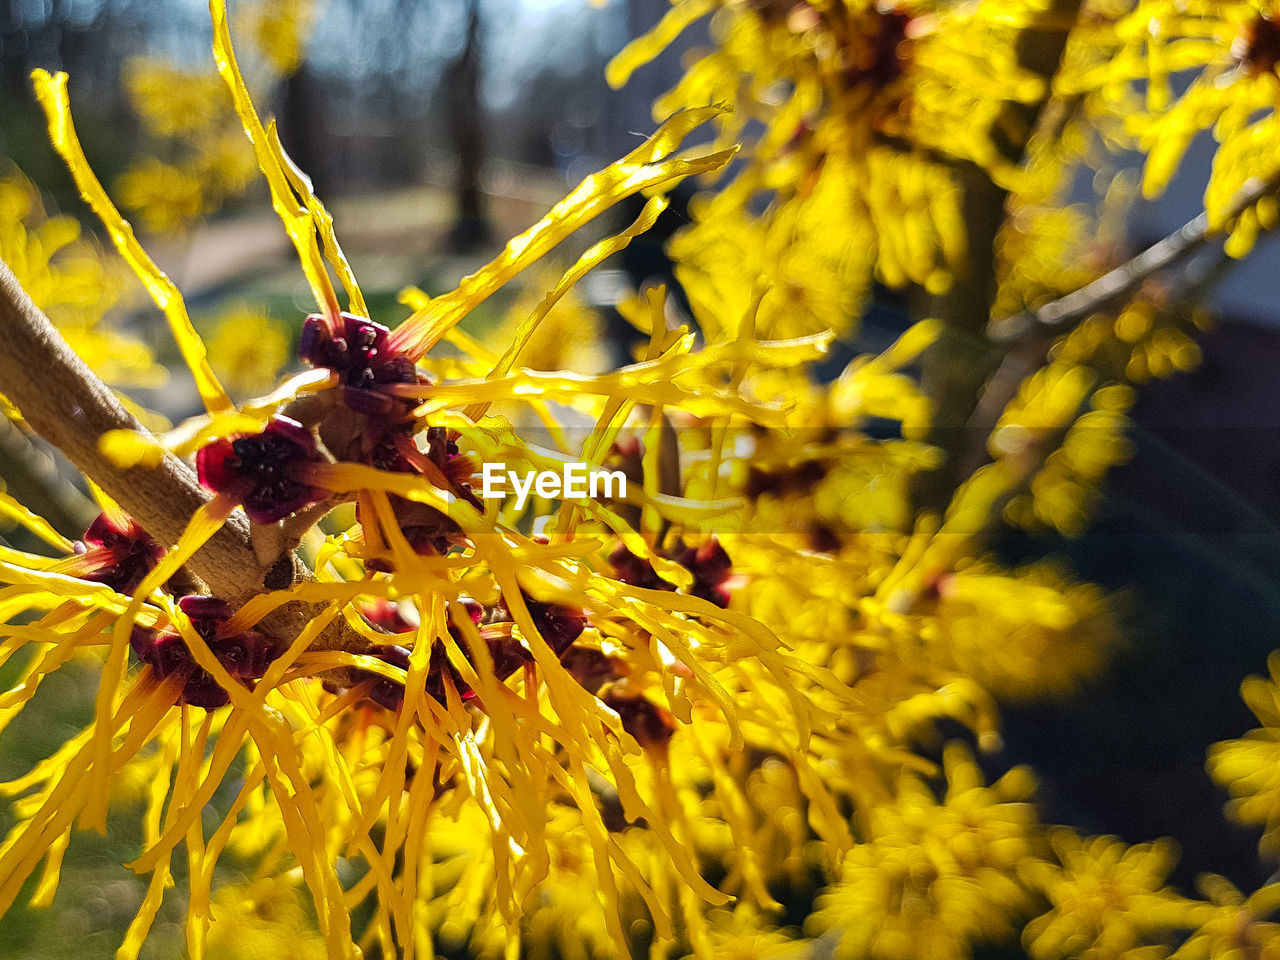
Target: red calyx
(559, 625)
(265, 471)
(359, 355)
(709, 564)
(117, 554)
(1258, 46)
(244, 655)
(650, 724)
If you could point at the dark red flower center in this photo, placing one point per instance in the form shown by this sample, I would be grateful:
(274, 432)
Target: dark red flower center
(651, 725)
(263, 470)
(559, 625)
(709, 564)
(119, 556)
(244, 655)
(880, 59)
(1258, 46)
(359, 355)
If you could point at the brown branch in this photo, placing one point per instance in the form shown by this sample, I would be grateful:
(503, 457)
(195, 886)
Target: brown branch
(1030, 332)
(67, 404)
(1078, 305)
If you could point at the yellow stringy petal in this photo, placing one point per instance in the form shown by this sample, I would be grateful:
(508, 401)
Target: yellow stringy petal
(643, 49)
(197, 901)
(13, 510)
(147, 911)
(295, 216)
(649, 165)
(204, 523)
(323, 221)
(51, 91)
(48, 884)
(588, 261)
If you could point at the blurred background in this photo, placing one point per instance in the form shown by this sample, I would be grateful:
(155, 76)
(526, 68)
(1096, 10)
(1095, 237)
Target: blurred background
(437, 129)
(433, 127)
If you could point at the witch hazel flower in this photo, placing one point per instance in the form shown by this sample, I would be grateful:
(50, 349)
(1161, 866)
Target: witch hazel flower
(559, 625)
(244, 655)
(426, 529)
(397, 451)
(116, 551)
(265, 472)
(355, 348)
(710, 565)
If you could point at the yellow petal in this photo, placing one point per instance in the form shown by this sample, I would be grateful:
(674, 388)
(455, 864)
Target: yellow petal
(598, 252)
(36, 524)
(294, 214)
(649, 165)
(643, 49)
(51, 91)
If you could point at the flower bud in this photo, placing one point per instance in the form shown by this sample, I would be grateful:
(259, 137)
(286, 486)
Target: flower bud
(358, 354)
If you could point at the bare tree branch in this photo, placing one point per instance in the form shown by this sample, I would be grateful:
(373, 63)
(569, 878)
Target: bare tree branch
(1029, 333)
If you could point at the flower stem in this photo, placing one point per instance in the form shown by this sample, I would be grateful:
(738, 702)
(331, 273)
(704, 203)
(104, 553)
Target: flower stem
(67, 404)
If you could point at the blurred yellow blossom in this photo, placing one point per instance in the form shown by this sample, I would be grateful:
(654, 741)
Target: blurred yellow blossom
(1231, 50)
(861, 104)
(277, 31)
(810, 252)
(207, 161)
(590, 726)
(263, 919)
(1233, 926)
(1250, 767)
(743, 934)
(1023, 634)
(166, 197)
(171, 102)
(931, 878)
(248, 349)
(1109, 901)
(68, 276)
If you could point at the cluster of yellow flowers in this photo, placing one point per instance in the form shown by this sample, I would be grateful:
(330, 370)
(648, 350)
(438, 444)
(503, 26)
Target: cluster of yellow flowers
(64, 272)
(754, 676)
(186, 113)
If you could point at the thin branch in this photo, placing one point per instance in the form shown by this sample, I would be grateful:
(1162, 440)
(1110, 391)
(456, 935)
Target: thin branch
(1028, 333)
(1078, 305)
(67, 404)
